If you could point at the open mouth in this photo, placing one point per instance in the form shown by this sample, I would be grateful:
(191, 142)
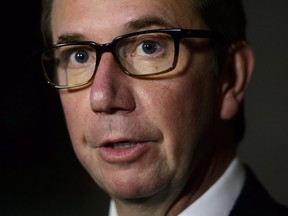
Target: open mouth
(120, 145)
(123, 151)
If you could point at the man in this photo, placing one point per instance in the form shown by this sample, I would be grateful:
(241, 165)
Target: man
(152, 93)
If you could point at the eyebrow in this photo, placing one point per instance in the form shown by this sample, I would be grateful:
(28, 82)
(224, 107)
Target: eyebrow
(147, 21)
(73, 37)
(134, 25)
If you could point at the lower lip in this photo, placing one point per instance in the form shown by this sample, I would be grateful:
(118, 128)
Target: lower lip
(116, 155)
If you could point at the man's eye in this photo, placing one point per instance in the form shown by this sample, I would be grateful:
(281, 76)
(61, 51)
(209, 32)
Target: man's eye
(71, 57)
(79, 57)
(149, 47)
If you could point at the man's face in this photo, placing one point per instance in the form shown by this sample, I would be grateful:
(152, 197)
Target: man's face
(149, 129)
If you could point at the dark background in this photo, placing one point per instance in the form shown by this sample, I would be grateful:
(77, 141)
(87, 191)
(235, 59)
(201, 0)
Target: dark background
(265, 147)
(39, 173)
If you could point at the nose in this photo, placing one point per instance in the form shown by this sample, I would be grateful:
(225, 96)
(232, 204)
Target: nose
(111, 90)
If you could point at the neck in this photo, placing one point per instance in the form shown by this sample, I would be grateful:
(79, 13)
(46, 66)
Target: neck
(196, 187)
(220, 152)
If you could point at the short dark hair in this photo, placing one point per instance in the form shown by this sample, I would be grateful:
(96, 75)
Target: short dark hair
(224, 16)
(46, 22)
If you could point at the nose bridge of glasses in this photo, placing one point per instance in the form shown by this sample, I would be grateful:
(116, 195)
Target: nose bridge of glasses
(103, 48)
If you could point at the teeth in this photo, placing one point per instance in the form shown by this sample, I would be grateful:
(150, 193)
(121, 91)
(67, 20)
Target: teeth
(122, 145)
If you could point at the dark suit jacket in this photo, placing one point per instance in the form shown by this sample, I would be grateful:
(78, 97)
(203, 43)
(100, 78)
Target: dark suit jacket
(254, 200)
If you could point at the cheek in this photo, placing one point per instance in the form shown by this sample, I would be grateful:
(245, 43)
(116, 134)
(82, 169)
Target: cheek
(184, 110)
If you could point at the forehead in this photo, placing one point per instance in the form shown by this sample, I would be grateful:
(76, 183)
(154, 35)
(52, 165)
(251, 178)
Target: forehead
(84, 16)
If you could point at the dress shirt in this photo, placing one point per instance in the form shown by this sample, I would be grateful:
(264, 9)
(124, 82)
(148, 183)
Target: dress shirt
(219, 199)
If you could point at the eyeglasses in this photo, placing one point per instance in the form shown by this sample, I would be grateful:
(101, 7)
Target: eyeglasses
(138, 54)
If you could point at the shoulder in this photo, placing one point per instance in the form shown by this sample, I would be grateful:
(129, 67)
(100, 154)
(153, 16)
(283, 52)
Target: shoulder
(255, 200)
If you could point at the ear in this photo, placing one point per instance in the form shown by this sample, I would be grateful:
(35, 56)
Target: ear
(235, 78)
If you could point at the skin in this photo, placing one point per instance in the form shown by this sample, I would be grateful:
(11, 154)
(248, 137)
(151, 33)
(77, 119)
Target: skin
(173, 119)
